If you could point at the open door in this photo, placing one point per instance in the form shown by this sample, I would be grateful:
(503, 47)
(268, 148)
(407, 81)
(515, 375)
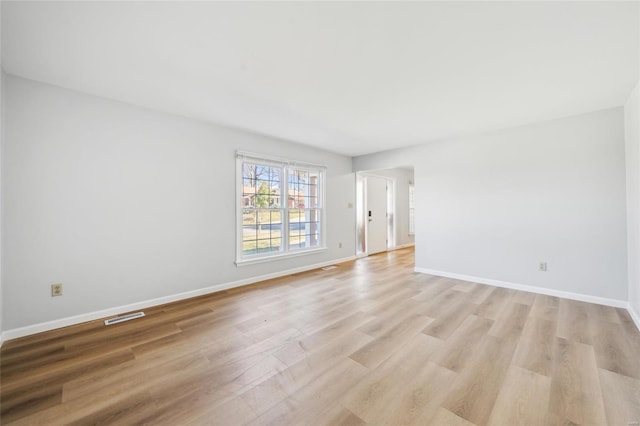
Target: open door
(376, 214)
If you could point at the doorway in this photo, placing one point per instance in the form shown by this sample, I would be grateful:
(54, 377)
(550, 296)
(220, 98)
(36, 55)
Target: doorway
(375, 214)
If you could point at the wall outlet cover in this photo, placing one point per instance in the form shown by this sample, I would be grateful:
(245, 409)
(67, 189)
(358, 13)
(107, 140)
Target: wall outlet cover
(56, 290)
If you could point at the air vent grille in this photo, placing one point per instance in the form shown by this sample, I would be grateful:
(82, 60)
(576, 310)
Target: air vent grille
(123, 318)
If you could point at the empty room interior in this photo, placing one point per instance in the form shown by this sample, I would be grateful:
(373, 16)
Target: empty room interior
(320, 213)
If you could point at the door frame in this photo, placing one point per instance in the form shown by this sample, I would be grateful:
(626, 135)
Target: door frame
(362, 223)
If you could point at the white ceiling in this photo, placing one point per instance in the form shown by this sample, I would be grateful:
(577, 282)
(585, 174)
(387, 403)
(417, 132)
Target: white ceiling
(353, 78)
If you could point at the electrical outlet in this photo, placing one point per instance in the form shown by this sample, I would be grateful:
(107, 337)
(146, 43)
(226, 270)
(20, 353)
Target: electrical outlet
(56, 290)
(339, 245)
(542, 267)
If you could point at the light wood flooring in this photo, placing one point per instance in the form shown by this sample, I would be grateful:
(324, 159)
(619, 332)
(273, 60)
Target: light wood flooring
(370, 342)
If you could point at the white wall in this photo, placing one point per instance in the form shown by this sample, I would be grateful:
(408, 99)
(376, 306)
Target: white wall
(402, 178)
(123, 204)
(632, 148)
(1, 191)
(492, 206)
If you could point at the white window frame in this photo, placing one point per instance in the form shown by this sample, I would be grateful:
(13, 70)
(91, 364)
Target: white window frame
(286, 166)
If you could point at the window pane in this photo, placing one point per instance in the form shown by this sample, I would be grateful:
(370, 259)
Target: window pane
(304, 228)
(262, 194)
(296, 216)
(262, 231)
(276, 244)
(314, 228)
(248, 217)
(296, 241)
(275, 216)
(304, 189)
(296, 228)
(261, 186)
(264, 204)
(249, 248)
(300, 201)
(314, 190)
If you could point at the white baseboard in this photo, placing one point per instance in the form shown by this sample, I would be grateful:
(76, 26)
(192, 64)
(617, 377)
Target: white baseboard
(532, 289)
(90, 316)
(400, 247)
(634, 315)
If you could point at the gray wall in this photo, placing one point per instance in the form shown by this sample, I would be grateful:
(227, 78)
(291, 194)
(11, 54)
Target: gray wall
(494, 205)
(1, 185)
(632, 147)
(123, 204)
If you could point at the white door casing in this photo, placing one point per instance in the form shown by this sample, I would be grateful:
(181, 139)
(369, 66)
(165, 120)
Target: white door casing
(376, 214)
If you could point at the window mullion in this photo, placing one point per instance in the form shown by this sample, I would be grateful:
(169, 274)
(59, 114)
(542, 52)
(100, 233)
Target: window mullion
(285, 220)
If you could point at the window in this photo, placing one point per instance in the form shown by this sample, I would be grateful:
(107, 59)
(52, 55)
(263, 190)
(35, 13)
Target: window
(412, 210)
(281, 205)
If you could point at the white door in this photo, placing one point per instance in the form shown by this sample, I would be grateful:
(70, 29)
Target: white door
(376, 214)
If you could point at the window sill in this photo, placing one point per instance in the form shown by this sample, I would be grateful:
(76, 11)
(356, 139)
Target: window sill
(282, 256)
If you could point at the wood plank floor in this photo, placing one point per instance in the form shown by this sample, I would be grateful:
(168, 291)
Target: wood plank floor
(370, 342)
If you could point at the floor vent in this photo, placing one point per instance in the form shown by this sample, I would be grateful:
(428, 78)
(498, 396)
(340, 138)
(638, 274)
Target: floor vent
(123, 318)
(328, 268)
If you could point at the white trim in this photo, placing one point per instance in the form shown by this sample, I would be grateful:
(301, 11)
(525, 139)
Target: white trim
(279, 256)
(532, 289)
(412, 207)
(91, 316)
(634, 315)
(281, 161)
(401, 246)
(284, 166)
(359, 205)
(392, 197)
